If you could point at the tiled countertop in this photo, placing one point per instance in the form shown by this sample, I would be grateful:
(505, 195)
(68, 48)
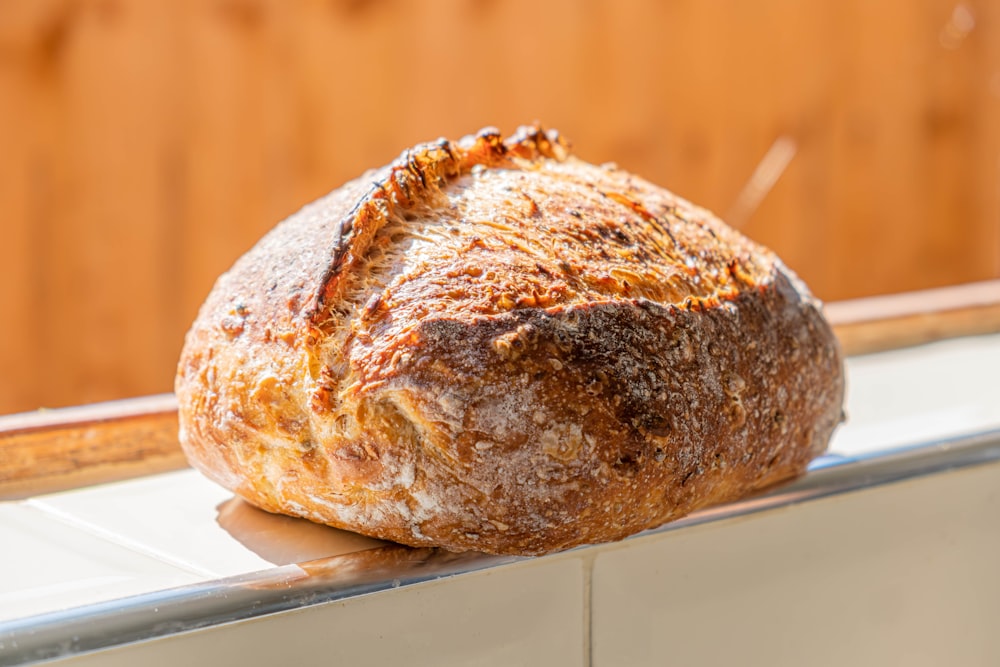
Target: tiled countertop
(147, 534)
(921, 394)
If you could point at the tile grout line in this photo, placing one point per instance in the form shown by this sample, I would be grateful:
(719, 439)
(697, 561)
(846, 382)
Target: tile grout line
(588, 611)
(68, 518)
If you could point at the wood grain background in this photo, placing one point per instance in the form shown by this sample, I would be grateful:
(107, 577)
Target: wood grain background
(145, 144)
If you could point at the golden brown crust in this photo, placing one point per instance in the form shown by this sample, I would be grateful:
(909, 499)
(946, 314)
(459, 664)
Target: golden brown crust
(491, 345)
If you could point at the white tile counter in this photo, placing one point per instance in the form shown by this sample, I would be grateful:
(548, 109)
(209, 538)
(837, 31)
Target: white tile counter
(920, 394)
(709, 588)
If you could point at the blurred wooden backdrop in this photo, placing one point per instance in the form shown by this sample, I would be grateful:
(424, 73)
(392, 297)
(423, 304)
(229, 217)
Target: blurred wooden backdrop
(145, 144)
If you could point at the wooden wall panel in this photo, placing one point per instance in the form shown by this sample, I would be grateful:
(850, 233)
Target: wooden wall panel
(26, 193)
(18, 280)
(145, 145)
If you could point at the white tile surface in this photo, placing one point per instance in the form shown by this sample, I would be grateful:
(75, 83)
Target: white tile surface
(530, 613)
(901, 574)
(184, 519)
(155, 532)
(47, 565)
(921, 394)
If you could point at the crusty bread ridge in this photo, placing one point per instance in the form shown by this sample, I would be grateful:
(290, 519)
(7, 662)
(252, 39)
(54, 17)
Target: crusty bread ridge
(491, 345)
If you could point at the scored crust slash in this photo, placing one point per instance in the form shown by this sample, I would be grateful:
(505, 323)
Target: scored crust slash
(491, 345)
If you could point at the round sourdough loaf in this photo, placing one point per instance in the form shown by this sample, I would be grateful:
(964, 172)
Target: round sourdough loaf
(491, 345)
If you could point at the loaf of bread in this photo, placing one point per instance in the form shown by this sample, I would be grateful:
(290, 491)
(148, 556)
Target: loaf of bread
(491, 345)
